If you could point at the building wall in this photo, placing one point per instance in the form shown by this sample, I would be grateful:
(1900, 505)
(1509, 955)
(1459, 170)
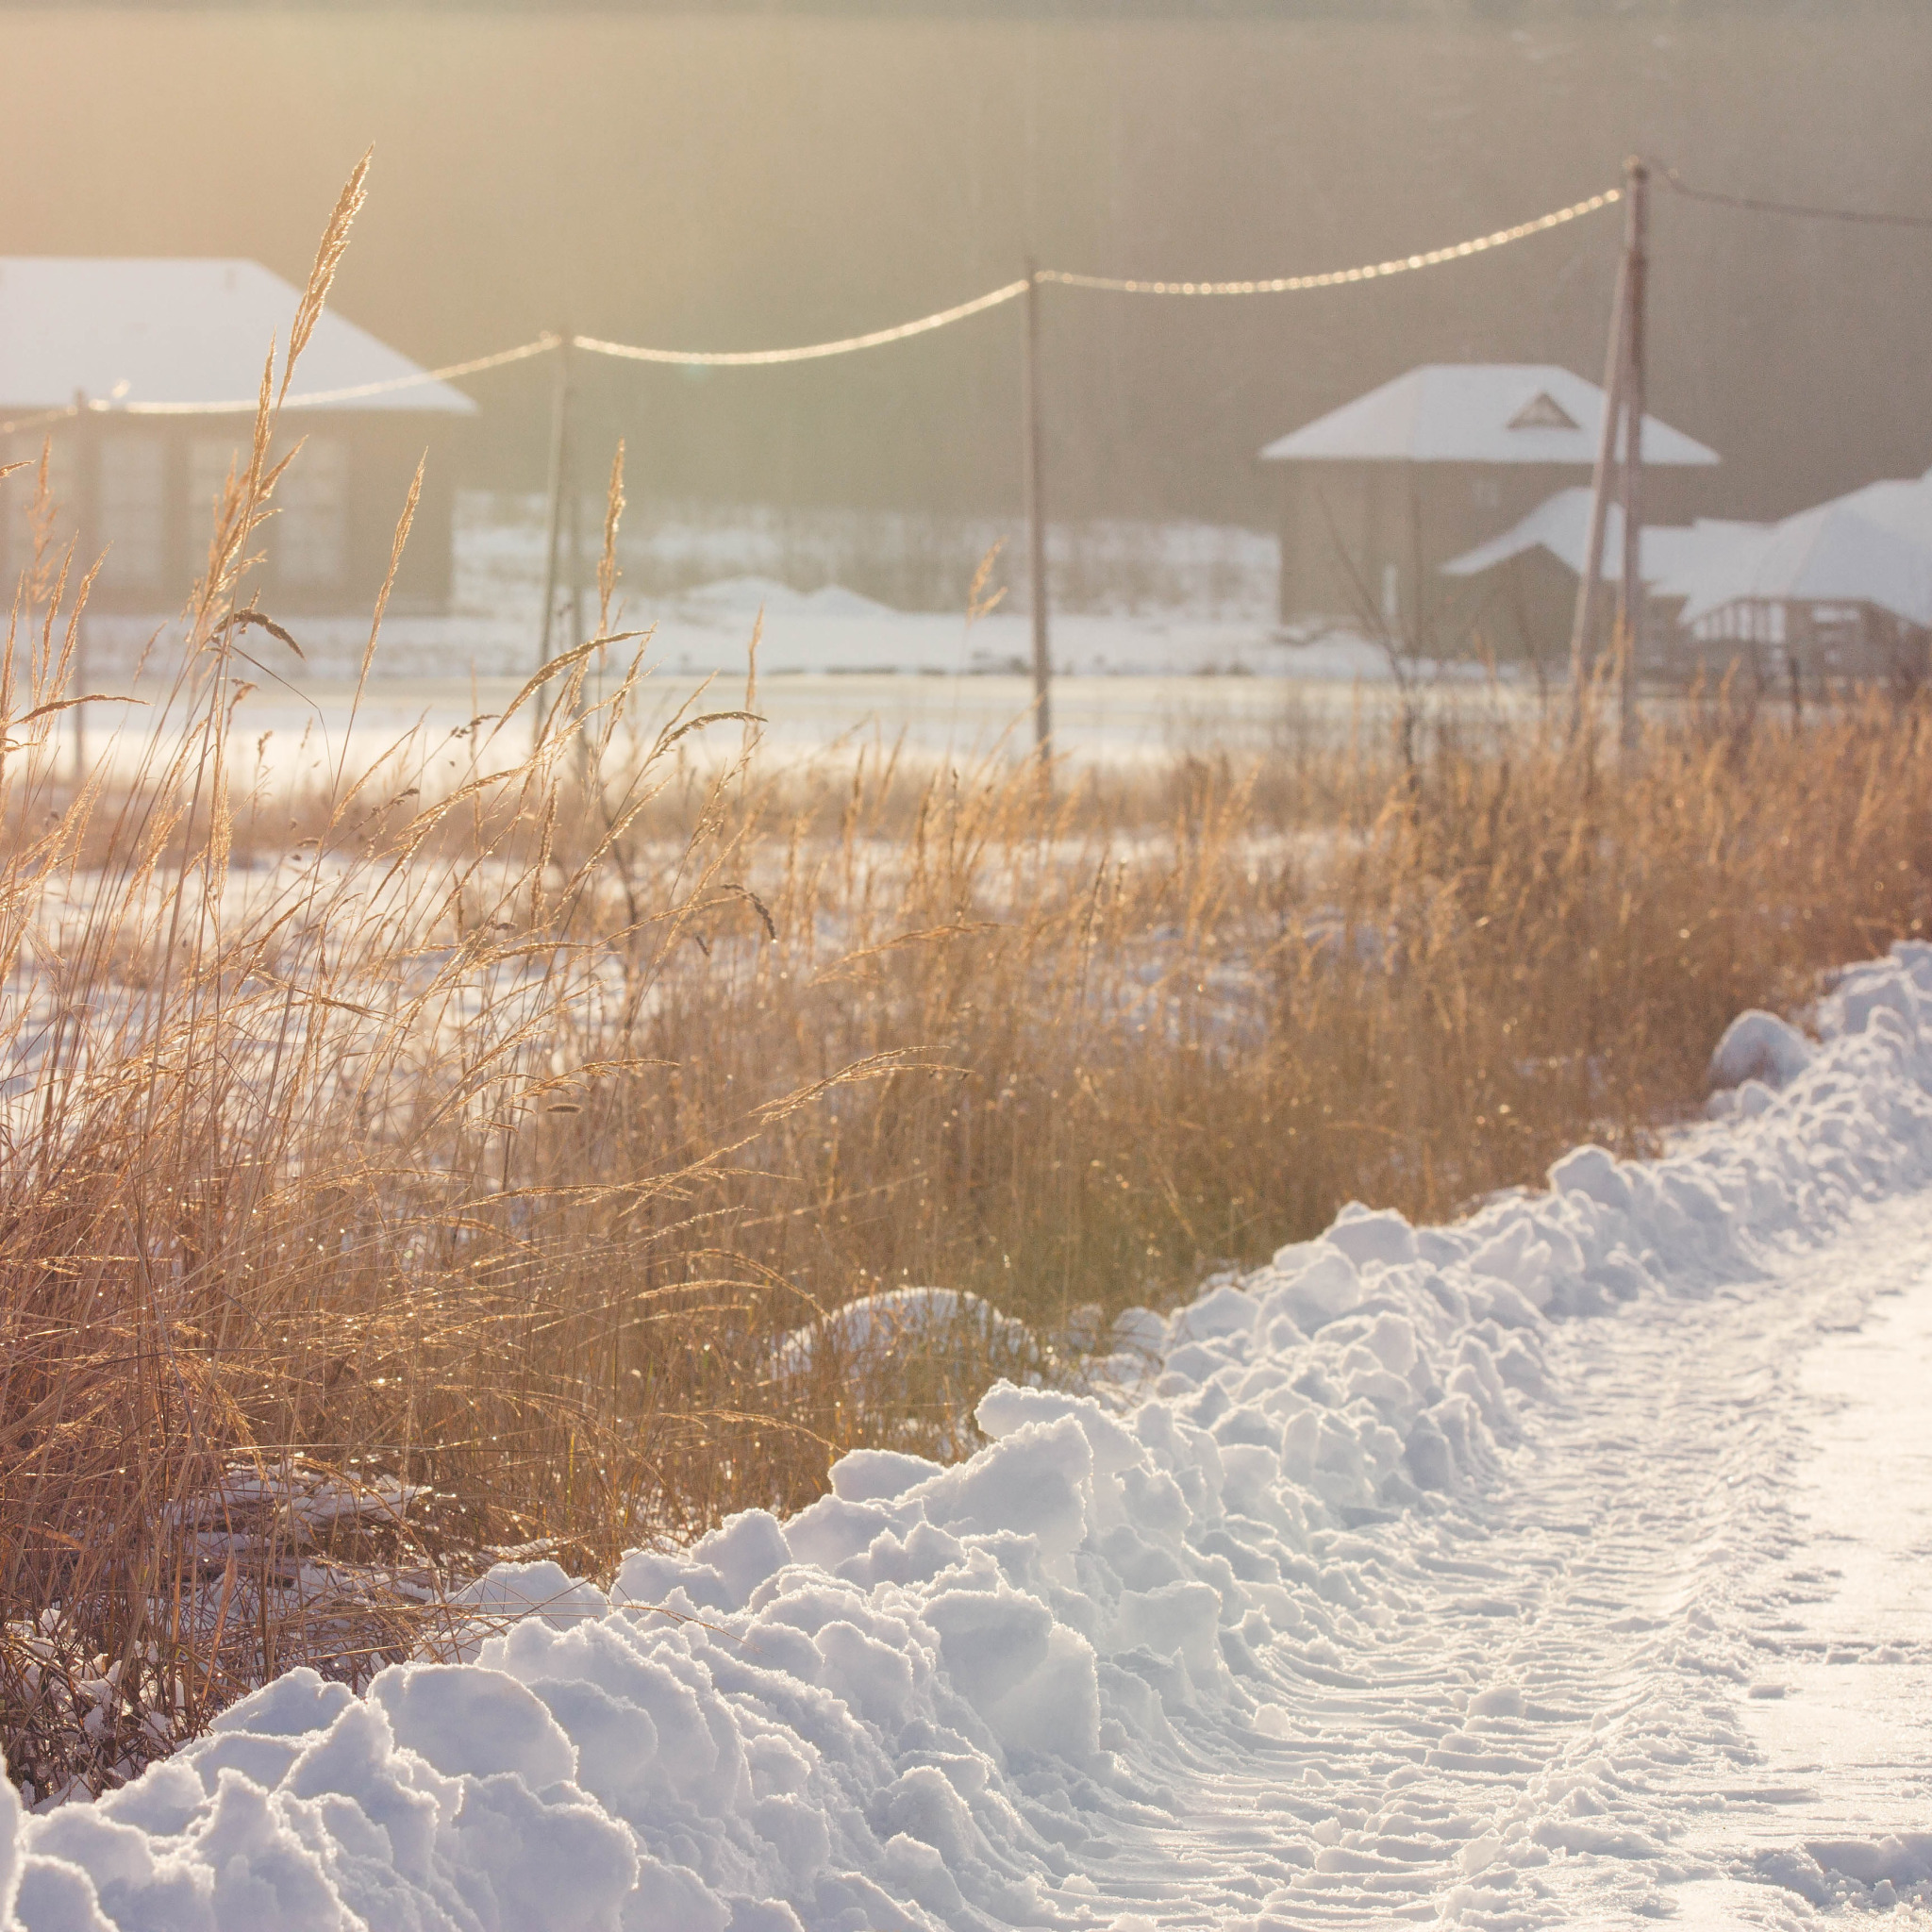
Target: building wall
(142, 493)
(384, 454)
(1795, 651)
(1364, 543)
(1522, 610)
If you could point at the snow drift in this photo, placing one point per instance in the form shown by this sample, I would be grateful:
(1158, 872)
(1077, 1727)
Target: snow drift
(993, 1694)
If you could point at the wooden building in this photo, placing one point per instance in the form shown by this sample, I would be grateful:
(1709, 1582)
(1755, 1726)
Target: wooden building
(1520, 586)
(138, 478)
(1379, 494)
(1837, 595)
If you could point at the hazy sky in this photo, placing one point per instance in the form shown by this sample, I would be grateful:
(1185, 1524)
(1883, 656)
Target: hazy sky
(749, 178)
(1182, 10)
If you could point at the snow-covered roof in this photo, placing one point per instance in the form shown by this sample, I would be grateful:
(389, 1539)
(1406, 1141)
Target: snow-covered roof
(178, 329)
(1477, 412)
(1873, 546)
(1904, 508)
(1836, 554)
(1560, 524)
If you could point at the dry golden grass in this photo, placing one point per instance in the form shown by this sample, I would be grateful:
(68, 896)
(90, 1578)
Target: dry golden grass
(490, 1142)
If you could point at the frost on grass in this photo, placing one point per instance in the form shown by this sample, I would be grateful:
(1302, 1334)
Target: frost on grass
(994, 1693)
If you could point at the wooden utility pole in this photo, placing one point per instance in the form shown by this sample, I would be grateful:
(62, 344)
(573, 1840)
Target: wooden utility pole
(1630, 596)
(1582, 629)
(560, 468)
(1036, 524)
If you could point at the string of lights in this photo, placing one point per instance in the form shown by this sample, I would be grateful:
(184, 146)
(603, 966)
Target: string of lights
(847, 346)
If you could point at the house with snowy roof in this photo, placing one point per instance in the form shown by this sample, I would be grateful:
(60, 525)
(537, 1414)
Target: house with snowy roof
(1523, 583)
(1839, 593)
(1378, 495)
(144, 344)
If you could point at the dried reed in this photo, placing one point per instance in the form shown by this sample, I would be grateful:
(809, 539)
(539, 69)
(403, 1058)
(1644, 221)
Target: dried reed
(445, 1181)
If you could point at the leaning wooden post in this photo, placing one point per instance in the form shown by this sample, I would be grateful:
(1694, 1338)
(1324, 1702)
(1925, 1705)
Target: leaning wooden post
(1591, 579)
(1036, 526)
(87, 489)
(559, 458)
(1630, 593)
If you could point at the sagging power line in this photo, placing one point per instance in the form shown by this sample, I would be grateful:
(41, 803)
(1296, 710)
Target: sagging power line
(1801, 210)
(552, 340)
(1624, 385)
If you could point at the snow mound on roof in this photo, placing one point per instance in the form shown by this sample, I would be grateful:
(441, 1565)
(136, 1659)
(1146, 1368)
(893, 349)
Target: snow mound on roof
(1835, 553)
(1560, 526)
(182, 329)
(1476, 413)
(976, 1695)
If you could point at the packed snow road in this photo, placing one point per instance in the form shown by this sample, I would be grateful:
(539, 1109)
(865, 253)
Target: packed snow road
(1686, 1634)
(1563, 1567)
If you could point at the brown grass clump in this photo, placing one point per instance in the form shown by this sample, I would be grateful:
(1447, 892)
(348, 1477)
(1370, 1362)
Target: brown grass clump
(1169, 1030)
(446, 1182)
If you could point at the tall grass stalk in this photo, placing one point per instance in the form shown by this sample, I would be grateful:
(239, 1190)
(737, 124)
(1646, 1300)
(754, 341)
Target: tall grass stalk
(415, 1172)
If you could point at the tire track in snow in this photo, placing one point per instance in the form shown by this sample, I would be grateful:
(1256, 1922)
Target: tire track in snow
(1639, 1565)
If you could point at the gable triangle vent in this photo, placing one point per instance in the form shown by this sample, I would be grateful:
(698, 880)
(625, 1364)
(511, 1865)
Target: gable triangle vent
(1543, 411)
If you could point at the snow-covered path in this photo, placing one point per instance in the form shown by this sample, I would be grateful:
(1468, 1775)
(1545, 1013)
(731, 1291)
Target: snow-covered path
(1839, 1604)
(1563, 1567)
(1689, 1632)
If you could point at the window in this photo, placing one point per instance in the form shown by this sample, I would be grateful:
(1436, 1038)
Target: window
(17, 498)
(1543, 412)
(309, 538)
(209, 460)
(307, 535)
(132, 463)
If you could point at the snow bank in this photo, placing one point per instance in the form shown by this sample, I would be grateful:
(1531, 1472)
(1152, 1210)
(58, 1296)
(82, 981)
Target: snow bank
(980, 1695)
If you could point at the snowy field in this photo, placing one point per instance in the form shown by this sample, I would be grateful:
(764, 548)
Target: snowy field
(809, 635)
(1164, 641)
(1562, 1567)
(1130, 601)
(302, 729)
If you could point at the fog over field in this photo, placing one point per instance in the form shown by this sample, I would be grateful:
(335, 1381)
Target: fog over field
(744, 176)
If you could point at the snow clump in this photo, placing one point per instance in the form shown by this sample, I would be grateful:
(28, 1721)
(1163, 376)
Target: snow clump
(971, 1696)
(1758, 1046)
